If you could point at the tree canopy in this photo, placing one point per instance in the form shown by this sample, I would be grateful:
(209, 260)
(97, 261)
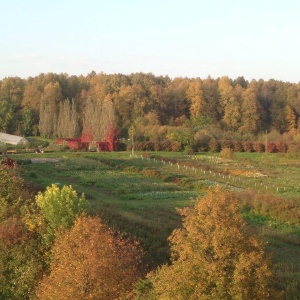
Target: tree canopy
(88, 262)
(215, 255)
(60, 208)
(56, 105)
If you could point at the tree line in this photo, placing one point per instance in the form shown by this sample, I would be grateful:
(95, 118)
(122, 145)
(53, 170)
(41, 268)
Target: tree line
(156, 107)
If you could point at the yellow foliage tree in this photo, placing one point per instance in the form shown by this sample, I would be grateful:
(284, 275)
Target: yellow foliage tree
(215, 255)
(196, 98)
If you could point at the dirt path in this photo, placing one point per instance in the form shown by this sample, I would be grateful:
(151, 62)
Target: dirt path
(44, 160)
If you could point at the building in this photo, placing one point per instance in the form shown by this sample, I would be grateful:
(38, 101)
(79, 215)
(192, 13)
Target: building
(12, 139)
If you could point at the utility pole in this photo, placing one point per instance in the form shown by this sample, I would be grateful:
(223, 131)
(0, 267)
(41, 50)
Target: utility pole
(266, 147)
(132, 141)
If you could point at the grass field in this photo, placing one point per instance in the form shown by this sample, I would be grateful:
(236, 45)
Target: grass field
(139, 195)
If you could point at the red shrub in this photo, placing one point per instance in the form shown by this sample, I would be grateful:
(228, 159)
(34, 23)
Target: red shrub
(271, 147)
(8, 162)
(280, 147)
(258, 147)
(237, 146)
(247, 146)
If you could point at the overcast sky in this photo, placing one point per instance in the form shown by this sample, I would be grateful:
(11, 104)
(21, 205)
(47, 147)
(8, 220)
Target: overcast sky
(188, 38)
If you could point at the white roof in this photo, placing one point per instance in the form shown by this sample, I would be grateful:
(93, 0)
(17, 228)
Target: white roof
(12, 139)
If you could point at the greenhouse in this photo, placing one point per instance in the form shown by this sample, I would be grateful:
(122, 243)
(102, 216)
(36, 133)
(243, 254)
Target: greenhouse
(12, 139)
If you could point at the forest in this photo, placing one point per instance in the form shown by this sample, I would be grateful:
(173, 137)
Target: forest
(163, 113)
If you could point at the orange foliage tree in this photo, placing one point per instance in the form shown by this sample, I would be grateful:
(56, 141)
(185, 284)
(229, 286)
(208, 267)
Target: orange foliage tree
(215, 255)
(20, 264)
(88, 262)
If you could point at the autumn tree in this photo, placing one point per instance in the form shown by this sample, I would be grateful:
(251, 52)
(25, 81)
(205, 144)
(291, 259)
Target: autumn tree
(88, 262)
(98, 117)
(49, 107)
(130, 103)
(32, 97)
(211, 95)
(11, 190)
(230, 103)
(250, 112)
(226, 91)
(293, 97)
(278, 119)
(196, 98)
(291, 118)
(20, 264)
(215, 255)
(68, 119)
(176, 103)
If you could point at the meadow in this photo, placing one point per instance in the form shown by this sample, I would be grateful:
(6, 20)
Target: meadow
(137, 195)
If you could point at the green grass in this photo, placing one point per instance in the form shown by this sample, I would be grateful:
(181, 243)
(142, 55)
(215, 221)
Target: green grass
(142, 206)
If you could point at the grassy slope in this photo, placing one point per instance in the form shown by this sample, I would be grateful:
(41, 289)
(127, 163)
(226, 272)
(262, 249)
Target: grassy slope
(139, 196)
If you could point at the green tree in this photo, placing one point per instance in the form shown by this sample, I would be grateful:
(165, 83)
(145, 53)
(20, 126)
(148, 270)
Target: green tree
(215, 255)
(28, 122)
(12, 89)
(59, 208)
(6, 115)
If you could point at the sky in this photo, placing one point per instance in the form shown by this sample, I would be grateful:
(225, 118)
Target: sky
(257, 39)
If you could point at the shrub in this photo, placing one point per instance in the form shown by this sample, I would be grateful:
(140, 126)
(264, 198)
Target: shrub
(165, 145)
(237, 146)
(188, 150)
(280, 147)
(271, 147)
(201, 141)
(157, 146)
(227, 153)
(175, 146)
(247, 146)
(225, 144)
(258, 147)
(214, 145)
(293, 150)
(121, 147)
(144, 146)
